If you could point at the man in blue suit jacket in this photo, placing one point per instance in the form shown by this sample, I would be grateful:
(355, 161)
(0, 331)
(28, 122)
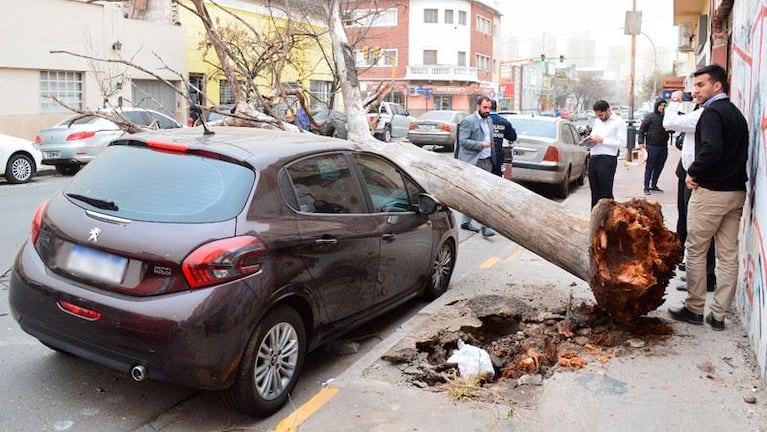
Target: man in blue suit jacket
(475, 146)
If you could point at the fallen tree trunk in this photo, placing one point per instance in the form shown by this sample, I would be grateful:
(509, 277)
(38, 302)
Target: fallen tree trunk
(625, 251)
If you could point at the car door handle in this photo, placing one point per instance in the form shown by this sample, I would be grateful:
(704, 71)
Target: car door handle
(326, 241)
(389, 237)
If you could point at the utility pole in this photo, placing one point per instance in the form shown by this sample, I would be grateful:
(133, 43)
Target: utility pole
(633, 27)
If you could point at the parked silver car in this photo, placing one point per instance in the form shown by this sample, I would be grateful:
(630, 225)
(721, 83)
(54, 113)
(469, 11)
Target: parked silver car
(79, 139)
(436, 128)
(548, 150)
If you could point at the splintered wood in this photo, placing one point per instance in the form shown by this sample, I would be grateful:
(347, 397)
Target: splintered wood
(632, 257)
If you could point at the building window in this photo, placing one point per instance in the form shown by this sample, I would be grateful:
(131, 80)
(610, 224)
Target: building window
(483, 62)
(65, 86)
(430, 16)
(371, 18)
(484, 25)
(461, 58)
(429, 57)
(443, 102)
(321, 91)
(462, 17)
(225, 93)
(448, 16)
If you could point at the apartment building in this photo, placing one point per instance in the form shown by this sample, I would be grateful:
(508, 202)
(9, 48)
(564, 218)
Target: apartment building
(30, 72)
(437, 54)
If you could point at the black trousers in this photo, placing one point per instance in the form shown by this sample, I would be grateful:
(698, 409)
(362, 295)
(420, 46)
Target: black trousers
(682, 199)
(656, 158)
(601, 177)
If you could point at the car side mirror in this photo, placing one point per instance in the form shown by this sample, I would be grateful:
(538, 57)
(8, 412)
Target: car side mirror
(427, 204)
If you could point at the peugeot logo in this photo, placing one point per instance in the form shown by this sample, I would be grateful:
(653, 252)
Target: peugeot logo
(93, 234)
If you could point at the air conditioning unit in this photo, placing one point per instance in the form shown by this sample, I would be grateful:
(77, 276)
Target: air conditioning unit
(685, 37)
(412, 91)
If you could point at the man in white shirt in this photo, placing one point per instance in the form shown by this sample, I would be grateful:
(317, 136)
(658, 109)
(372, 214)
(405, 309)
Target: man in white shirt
(607, 137)
(678, 121)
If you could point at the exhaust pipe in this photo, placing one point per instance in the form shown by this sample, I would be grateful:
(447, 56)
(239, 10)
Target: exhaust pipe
(138, 373)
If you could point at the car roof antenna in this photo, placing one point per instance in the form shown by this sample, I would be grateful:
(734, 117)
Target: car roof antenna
(205, 130)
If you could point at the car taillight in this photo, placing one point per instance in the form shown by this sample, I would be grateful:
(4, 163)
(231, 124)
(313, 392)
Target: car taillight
(410, 126)
(223, 260)
(445, 127)
(552, 154)
(80, 135)
(37, 221)
(167, 146)
(38, 139)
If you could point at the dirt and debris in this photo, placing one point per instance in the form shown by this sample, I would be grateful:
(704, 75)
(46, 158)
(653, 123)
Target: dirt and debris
(526, 346)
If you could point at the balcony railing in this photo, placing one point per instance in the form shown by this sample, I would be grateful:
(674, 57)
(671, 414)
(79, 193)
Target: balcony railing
(441, 73)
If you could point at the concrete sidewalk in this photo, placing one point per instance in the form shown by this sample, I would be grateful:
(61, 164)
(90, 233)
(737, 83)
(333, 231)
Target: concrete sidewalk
(697, 379)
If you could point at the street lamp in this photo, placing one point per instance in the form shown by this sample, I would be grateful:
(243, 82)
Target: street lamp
(655, 63)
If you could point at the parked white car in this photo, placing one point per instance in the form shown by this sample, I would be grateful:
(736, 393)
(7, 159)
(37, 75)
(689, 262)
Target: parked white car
(19, 158)
(392, 120)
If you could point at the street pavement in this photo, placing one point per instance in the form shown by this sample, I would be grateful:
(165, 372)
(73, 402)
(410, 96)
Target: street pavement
(697, 379)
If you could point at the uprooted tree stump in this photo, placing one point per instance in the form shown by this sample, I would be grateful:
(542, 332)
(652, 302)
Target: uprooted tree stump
(633, 257)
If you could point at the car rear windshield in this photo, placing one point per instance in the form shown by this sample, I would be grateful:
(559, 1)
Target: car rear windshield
(154, 186)
(535, 128)
(437, 115)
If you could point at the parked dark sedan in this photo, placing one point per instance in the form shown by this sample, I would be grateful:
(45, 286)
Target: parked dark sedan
(217, 262)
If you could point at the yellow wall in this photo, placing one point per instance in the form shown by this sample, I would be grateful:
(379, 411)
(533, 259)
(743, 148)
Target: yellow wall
(314, 67)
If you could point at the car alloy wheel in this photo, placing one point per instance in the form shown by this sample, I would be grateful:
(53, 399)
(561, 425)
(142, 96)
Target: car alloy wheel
(19, 169)
(387, 134)
(442, 270)
(271, 364)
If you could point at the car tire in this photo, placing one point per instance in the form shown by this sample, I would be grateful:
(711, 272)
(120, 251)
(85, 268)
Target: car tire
(441, 272)
(276, 350)
(387, 134)
(20, 169)
(67, 170)
(563, 189)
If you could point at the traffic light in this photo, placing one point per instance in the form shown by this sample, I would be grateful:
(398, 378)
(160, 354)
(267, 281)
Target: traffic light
(376, 52)
(561, 58)
(543, 59)
(365, 52)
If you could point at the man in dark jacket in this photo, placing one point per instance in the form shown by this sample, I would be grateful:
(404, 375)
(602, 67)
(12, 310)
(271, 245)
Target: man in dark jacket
(717, 178)
(502, 129)
(654, 138)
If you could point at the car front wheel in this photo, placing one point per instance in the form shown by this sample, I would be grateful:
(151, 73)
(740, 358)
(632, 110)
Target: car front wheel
(387, 134)
(442, 270)
(20, 169)
(271, 364)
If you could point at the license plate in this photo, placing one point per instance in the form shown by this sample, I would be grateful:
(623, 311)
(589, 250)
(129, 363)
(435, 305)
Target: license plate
(425, 127)
(96, 264)
(51, 155)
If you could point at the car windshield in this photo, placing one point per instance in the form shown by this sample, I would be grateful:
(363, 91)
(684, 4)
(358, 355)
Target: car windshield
(437, 115)
(172, 187)
(532, 127)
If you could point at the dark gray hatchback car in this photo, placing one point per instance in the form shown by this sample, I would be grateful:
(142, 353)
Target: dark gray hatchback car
(219, 261)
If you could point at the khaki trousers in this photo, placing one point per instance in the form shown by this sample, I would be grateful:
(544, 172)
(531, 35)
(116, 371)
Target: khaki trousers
(713, 214)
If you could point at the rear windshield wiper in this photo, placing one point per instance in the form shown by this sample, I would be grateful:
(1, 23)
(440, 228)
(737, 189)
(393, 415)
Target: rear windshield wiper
(96, 202)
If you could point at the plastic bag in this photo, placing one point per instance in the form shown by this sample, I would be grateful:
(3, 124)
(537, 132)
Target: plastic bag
(472, 361)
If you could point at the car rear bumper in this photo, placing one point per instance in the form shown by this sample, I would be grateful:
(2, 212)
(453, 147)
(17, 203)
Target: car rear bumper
(192, 338)
(67, 155)
(431, 138)
(537, 173)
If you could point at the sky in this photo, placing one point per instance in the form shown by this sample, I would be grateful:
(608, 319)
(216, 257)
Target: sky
(602, 19)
